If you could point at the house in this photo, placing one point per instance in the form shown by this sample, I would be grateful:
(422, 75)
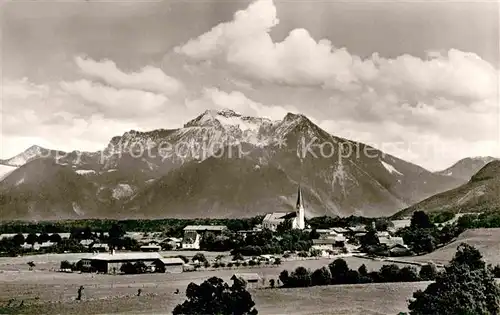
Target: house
(399, 224)
(170, 265)
(87, 242)
(112, 262)
(272, 220)
(340, 230)
(250, 279)
(171, 242)
(194, 233)
(329, 243)
(390, 241)
(398, 250)
(100, 247)
(150, 248)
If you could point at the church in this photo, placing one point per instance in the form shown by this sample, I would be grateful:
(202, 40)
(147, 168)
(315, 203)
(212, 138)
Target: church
(272, 220)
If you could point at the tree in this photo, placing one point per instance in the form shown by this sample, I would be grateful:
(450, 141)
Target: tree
(362, 270)
(421, 220)
(428, 272)
(408, 274)
(390, 273)
(31, 239)
(301, 277)
(55, 238)
(44, 237)
(321, 276)
(199, 257)
(284, 277)
(214, 296)
(18, 239)
(313, 234)
(465, 287)
(284, 226)
(383, 224)
(339, 270)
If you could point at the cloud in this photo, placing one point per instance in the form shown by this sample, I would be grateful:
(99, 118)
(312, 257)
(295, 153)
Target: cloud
(118, 103)
(148, 78)
(45, 115)
(214, 98)
(245, 44)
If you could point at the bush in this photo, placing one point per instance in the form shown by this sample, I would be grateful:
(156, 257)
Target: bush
(244, 264)
(303, 254)
(277, 261)
(252, 263)
(390, 273)
(66, 265)
(237, 263)
(408, 274)
(200, 258)
(216, 265)
(428, 272)
(272, 283)
(222, 265)
(230, 264)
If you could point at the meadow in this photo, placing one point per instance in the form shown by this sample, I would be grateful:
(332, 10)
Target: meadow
(45, 291)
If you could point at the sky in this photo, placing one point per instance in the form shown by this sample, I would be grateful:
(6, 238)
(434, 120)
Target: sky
(416, 79)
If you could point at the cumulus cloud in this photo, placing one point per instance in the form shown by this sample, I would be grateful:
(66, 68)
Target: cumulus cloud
(299, 59)
(214, 98)
(148, 78)
(118, 103)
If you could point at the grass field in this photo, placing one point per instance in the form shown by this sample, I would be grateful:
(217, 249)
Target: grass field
(49, 292)
(487, 241)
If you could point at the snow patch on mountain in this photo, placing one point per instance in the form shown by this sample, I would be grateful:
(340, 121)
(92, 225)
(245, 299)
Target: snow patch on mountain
(19, 182)
(122, 191)
(390, 168)
(77, 209)
(26, 156)
(85, 172)
(5, 170)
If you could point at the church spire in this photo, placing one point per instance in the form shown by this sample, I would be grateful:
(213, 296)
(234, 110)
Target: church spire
(300, 203)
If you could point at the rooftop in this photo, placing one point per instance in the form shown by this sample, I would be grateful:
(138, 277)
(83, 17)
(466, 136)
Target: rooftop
(278, 216)
(247, 276)
(205, 228)
(172, 261)
(126, 256)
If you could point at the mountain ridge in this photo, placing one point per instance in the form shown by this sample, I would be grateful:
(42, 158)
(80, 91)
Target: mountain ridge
(147, 171)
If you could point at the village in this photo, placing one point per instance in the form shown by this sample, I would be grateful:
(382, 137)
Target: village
(149, 254)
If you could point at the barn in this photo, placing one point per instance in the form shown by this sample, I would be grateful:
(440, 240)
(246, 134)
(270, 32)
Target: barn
(170, 265)
(112, 262)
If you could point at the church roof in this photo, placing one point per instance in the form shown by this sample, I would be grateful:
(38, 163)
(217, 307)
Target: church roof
(278, 216)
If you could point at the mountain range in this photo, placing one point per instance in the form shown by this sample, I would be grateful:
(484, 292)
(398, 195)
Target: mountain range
(219, 164)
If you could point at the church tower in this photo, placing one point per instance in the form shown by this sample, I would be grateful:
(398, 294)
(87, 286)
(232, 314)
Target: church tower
(299, 209)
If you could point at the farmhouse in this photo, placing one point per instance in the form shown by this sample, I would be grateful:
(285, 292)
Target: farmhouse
(250, 279)
(170, 265)
(194, 233)
(112, 262)
(272, 220)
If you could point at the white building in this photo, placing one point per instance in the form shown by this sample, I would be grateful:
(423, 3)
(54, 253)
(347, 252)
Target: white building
(194, 233)
(272, 220)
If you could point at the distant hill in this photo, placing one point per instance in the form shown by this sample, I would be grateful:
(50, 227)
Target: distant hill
(480, 193)
(467, 167)
(487, 241)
